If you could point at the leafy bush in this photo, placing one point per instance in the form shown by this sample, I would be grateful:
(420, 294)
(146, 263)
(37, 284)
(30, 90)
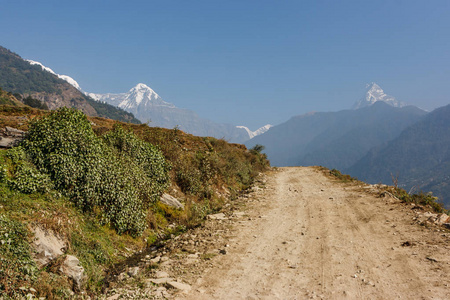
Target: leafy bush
(17, 268)
(25, 177)
(150, 169)
(3, 173)
(340, 176)
(116, 176)
(421, 199)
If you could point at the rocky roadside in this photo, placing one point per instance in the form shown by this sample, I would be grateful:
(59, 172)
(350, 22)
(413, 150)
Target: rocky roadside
(172, 269)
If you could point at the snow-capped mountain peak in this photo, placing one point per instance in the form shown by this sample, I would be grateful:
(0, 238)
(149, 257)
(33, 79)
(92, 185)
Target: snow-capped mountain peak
(375, 93)
(140, 93)
(136, 99)
(63, 77)
(257, 132)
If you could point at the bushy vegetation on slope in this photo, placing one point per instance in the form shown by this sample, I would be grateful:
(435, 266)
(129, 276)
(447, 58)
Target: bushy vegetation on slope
(18, 76)
(97, 182)
(7, 98)
(118, 175)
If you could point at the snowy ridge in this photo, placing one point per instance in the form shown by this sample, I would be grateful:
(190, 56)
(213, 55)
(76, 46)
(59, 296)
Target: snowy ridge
(136, 98)
(257, 132)
(148, 107)
(374, 94)
(63, 77)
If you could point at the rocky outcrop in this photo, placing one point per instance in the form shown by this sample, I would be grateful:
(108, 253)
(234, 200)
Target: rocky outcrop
(9, 137)
(47, 246)
(71, 267)
(171, 201)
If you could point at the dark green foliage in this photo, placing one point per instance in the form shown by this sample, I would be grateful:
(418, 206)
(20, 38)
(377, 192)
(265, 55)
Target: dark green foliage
(340, 176)
(94, 175)
(3, 173)
(18, 76)
(257, 148)
(147, 164)
(35, 103)
(17, 268)
(25, 177)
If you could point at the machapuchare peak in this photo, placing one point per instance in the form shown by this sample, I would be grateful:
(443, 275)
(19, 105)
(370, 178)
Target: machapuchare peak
(374, 93)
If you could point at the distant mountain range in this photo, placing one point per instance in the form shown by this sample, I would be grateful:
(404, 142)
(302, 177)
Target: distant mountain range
(381, 139)
(148, 106)
(22, 77)
(335, 139)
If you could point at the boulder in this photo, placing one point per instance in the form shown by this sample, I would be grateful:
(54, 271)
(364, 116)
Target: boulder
(7, 142)
(71, 267)
(47, 245)
(9, 137)
(9, 131)
(442, 219)
(179, 286)
(171, 201)
(162, 274)
(133, 271)
(219, 216)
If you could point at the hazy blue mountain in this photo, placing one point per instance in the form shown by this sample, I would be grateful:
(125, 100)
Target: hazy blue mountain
(419, 157)
(335, 139)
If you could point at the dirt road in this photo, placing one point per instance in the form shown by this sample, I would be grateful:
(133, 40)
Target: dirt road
(312, 237)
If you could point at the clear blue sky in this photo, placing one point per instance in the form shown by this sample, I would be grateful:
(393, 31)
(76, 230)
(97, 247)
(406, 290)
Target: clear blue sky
(242, 62)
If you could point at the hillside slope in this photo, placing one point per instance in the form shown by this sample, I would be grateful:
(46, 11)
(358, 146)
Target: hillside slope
(8, 99)
(105, 190)
(19, 76)
(419, 157)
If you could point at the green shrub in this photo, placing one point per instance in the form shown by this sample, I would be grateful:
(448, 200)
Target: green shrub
(116, 176)
(17, 268)
(3, 173)
(340, 176)
(25, 177)
(421, 199)
(150, 169)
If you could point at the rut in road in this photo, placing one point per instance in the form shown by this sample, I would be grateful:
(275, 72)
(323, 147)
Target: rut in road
(311, 236)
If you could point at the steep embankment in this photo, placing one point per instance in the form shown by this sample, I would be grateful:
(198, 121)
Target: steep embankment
(80, 196)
